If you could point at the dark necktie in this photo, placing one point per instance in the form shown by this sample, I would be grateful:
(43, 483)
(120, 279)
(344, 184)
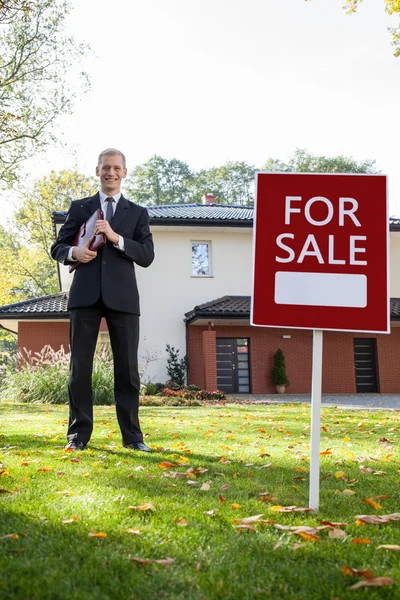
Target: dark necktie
(110, 212)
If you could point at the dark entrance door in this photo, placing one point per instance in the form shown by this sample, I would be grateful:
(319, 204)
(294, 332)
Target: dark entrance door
(365, 364)
(233, 365)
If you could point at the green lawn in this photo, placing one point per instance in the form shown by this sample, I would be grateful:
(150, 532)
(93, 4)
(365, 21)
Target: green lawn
(248, 451)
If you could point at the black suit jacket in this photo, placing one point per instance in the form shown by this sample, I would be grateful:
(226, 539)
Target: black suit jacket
(111, 275)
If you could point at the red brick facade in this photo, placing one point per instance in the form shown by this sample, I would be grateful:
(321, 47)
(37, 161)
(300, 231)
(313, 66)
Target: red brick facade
(338, 358)
(34, 335)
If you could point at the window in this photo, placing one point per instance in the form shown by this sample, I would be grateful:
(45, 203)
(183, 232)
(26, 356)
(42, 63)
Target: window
(201, 259)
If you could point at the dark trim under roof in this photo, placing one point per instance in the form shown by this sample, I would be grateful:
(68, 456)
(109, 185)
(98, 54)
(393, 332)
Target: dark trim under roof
(46, 307)
(226, 307)
(202, 215)
(238, 307)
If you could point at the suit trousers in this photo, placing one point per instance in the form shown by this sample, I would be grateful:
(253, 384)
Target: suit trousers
(124, 337)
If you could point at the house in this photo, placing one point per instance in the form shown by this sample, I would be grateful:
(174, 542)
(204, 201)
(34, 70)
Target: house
(196, 297)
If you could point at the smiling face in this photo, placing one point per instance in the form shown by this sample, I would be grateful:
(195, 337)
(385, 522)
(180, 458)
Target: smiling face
(111, 170)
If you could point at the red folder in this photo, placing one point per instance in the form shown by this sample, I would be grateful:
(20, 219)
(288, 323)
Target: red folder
(86, 231)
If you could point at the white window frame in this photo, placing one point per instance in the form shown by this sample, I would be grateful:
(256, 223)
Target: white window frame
(210, 261)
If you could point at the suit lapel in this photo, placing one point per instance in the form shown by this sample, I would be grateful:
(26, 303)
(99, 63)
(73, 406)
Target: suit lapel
(94, 203)
(120, 213)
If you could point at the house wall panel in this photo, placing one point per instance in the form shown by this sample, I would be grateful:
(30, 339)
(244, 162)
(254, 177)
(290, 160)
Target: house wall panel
(34, 335)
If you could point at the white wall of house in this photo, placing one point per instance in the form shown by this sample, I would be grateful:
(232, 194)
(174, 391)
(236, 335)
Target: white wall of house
(168, 290)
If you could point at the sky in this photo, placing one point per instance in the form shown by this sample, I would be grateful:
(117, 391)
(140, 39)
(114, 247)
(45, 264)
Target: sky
(223, 80)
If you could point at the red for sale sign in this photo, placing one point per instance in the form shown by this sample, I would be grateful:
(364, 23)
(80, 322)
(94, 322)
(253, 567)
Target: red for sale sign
(321, 252)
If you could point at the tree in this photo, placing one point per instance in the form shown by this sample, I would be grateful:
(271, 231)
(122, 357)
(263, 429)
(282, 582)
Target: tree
(232, 183)
(159, 181)
(303, 161)
(392, 7)
(35, 60)
(26, 267)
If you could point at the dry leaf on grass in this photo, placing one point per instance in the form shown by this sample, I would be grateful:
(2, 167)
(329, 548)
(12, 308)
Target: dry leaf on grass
(326, 452)
(224, 487)
(307, 536)
(244, 526)
(166, 465)
(70, 520)
(205, 487)
(143, 507)
(389, 546)
(134, 531)
(377, 519)
(248, 520)
(211, 513)
(334, 524)
(376, 582)
(10, 536)
(346, 570)
(3, 491)
(291, 509)
(337, 534)
(221, 499)
(372, 503)
(164, 561)
(99, 534)
(361, 541)
(235, 505)
(182, 522)
(140, 561)
(45, 470)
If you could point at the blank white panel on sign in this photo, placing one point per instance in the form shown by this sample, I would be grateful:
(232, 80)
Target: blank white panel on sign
(321, 289)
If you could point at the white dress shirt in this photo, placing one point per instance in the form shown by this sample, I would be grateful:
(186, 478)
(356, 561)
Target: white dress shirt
(103, 206)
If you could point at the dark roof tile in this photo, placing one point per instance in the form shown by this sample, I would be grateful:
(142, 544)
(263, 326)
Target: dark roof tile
(46, 306)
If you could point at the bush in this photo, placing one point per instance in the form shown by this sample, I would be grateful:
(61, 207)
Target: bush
(192, 394)
(168, 401)
(150, 389)
(279, 376)
(43, 378)
(176, 367)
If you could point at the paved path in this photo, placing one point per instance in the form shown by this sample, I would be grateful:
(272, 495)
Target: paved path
(356, 401)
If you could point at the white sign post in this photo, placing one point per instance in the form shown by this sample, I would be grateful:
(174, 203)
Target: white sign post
(316, 392)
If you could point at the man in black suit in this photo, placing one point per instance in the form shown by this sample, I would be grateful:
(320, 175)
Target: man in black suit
(104, 285)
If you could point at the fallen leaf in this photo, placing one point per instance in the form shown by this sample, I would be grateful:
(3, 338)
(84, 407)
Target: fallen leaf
(182, 522)
(376, 582)
(372, 503)
(337, 533)
(326, 452)
(70, 520)
(211, 513)
(361, 541)
(224, 487)
(346, 570)
(307, 536)
(245, 526)
(205, 487)
(45, 469)
(221, 499)
(248, 520)
(143, 507)
(300, 470)
(164, 561)
(10, 536)
(75, 459)
(389, 546)
(4, 473)
(134, 531)
(235, 505)
(166, 465)
(291, 509)
(3, 491)
(333, 524)
(100, 534)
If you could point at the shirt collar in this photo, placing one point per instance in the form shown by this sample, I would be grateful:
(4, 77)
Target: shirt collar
(103, 196)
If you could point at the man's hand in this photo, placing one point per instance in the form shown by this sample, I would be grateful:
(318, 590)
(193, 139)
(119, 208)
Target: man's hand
(82, 253)
(103, 226)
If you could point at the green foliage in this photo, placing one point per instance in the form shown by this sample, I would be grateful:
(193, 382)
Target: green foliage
(279, 376)
(163, 181)
(42, 377)
(176, 367)
(37, 82)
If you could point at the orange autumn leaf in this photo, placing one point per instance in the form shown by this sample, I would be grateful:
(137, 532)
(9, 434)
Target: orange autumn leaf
(70, 520)
(346, 570)
(166, 465)
(307, 536)
(300, 470)
(10, 536)
(4, 473)
(326, 452)
(361, 541)
(45, 470)
(235, 505)
(372, 503)
(143, 507)
(100, 534)
(182, 522)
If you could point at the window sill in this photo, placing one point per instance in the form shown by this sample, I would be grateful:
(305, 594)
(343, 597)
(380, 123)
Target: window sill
(202, 276)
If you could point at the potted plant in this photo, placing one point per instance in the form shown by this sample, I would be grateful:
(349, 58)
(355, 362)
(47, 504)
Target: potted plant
(279, 376)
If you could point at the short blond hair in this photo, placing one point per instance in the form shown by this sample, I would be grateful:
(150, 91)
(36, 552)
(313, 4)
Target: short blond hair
(108, 151)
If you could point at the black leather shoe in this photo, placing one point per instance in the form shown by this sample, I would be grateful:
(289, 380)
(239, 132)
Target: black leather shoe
(75, 445)
(138, 446)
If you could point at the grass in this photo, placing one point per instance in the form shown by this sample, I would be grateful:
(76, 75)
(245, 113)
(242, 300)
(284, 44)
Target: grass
(212, 559)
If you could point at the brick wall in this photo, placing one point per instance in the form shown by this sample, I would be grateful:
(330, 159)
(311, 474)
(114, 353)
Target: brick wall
(338, 375)
(34, 335)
